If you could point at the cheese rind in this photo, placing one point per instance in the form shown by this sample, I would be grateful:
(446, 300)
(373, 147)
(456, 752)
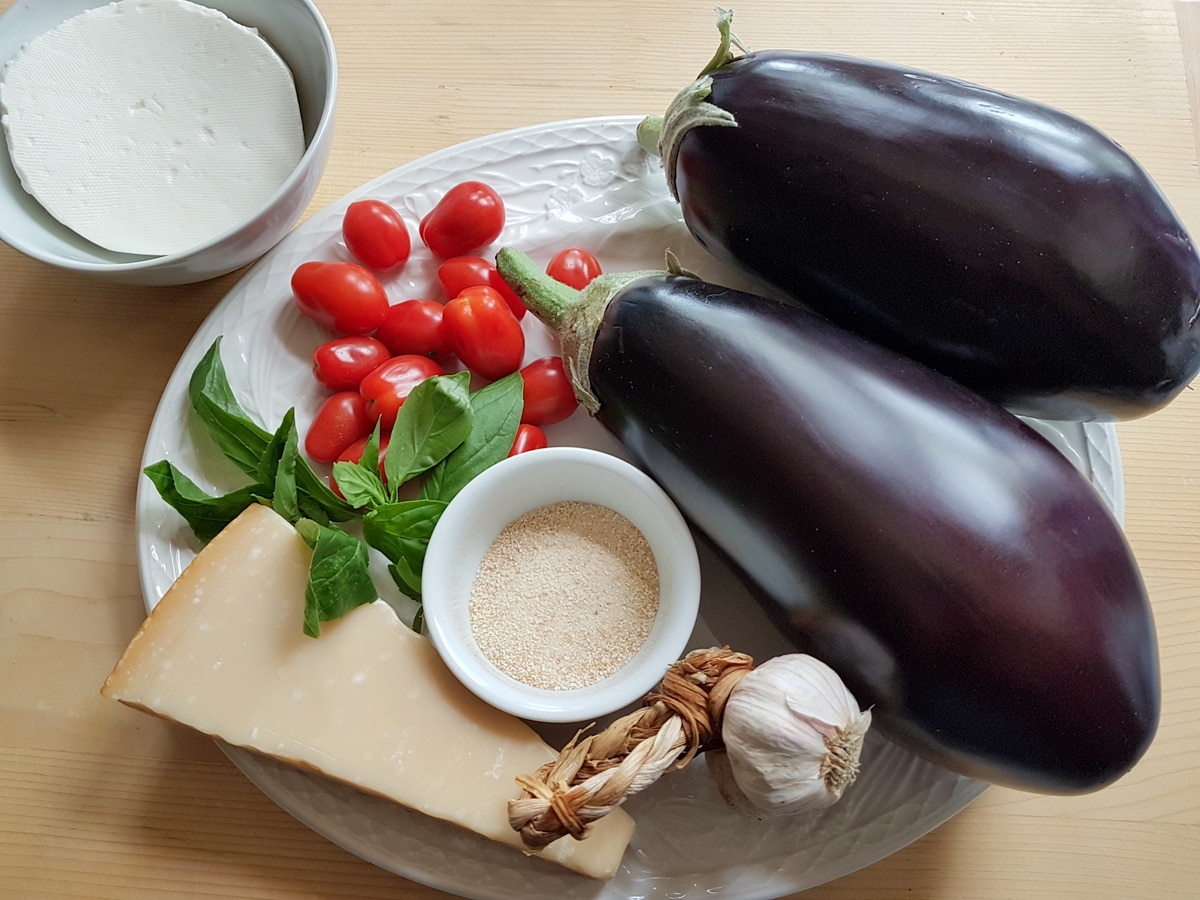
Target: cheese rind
(150, 126)
(369, 703)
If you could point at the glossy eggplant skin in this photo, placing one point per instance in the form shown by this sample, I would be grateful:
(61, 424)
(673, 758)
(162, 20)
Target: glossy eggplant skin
(963, 578)
(1006, 244)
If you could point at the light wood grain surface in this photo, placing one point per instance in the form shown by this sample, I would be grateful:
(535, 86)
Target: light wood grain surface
(98, 801)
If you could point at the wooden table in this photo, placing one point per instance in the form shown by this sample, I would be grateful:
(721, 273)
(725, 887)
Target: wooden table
(97, 801)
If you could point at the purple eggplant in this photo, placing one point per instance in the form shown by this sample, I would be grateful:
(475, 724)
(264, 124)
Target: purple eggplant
(963, 578)
(1006, 244)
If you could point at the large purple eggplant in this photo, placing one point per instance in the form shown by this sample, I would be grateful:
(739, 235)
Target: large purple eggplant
(1007, 244)
(963, 578)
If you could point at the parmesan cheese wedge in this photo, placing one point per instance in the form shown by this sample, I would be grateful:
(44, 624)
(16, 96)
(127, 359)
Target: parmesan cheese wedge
(369, 703)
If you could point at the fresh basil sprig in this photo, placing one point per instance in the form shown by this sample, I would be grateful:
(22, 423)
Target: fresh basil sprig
(443, 432)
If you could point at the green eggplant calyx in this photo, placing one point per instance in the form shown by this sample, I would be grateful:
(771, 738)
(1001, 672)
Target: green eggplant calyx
(690, 109)
(660, 135)
(574, 315)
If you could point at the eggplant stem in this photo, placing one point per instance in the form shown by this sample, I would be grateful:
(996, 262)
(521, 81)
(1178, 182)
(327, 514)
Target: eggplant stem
(649, 133)
(574, 315)
(724, 54)
(549, 299)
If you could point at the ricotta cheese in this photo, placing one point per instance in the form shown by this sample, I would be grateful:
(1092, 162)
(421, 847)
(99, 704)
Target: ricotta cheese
(369, 702)
(150, 126)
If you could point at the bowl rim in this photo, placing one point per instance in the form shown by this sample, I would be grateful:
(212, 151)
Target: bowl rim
(312, 150)
(593, 701)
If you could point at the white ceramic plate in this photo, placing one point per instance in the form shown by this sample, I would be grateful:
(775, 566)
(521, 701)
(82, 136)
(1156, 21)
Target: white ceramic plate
(584, 183)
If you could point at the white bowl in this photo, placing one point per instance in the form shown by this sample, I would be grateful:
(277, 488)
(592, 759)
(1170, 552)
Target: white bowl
(503, 493)
(295, 29)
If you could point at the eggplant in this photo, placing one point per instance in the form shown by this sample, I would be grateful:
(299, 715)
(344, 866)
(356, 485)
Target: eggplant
(958, 572)
(1007, 244)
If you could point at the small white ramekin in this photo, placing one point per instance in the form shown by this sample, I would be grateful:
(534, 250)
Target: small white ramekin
(508, 490)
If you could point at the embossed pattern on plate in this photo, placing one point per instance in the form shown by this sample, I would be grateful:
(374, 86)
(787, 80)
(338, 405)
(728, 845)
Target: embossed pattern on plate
(586, 183)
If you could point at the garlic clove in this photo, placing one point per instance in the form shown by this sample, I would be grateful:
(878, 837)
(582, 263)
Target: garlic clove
(793, 735)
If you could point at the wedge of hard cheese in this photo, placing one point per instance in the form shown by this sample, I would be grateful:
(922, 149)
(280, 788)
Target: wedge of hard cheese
(369, 702)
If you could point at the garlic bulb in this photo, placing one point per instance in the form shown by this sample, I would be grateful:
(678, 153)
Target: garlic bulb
(793, 733)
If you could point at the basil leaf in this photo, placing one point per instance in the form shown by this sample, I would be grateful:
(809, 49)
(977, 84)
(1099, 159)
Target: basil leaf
(434, 420)
(361, 487)
(248, 445)
(360, 483)
(310, 509)
(209, 380)
(370, 455)
(285, 498)
(240, 439)
(496, 409)
(408, 580)
(205, 514)
(338, 577)
(317, 498)
(401, 530)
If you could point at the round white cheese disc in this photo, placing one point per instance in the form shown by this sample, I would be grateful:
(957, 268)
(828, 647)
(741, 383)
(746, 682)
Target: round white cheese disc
(150, 126)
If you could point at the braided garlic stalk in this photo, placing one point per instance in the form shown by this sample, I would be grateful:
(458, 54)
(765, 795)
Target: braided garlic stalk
(784, 737)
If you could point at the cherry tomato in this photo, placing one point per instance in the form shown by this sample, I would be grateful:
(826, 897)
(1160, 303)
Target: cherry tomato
(376, 235)
(341, 420)
(483, 333)
(415, 326)
(342, 296)
(529, 437)
(462, 272)
(342, 363)
(387, 387)
(573, 266)
(470, 216)
(548, 394)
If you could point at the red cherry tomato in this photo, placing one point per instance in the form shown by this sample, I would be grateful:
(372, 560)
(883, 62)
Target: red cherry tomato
(415, 326)
(470, 216)
(529, 437)
(341, 420)
(376, 235)
(462, 272)
(387, 387)
(342, 363)
(548, 394)
(483, 333)
(342, 296)
(573, 266)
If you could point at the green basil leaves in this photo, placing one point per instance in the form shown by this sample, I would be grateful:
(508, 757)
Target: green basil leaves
(444, 434)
